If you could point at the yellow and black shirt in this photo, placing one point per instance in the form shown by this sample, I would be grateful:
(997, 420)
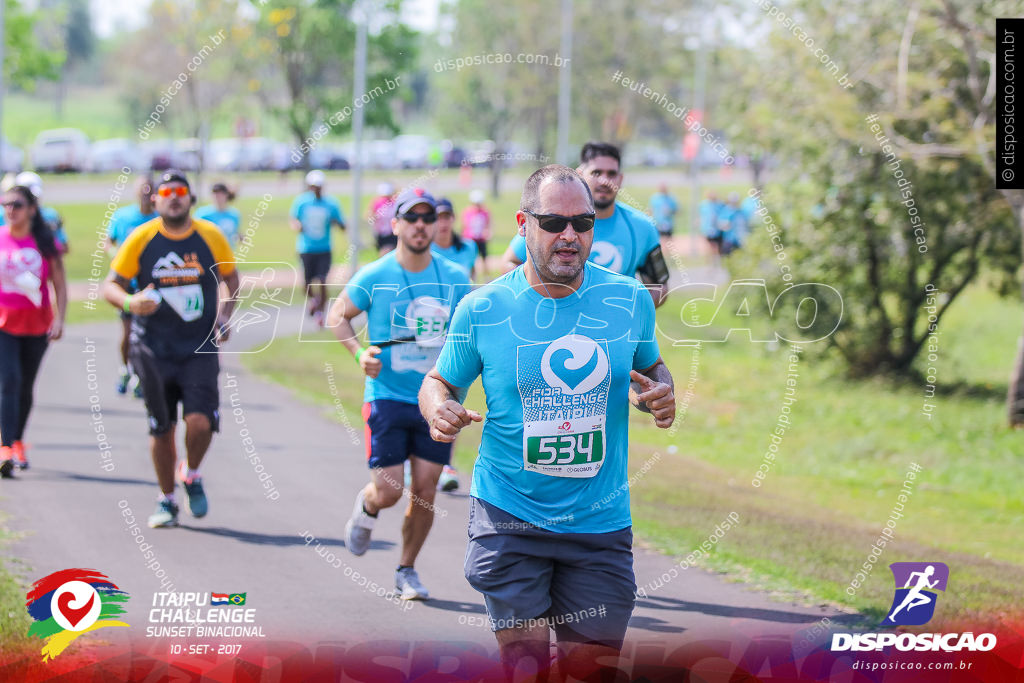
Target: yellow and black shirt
(185, 268)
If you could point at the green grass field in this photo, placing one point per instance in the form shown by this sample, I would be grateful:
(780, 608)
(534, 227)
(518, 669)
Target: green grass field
(808, 529)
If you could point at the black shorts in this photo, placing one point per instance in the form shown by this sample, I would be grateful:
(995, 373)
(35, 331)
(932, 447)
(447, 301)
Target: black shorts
(396, 430)
(581, 584)
(387, 241)
(316, 266)
(165, 382)
(481, 246)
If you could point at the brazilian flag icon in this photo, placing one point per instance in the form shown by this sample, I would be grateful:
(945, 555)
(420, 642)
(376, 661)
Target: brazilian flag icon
(237, 598)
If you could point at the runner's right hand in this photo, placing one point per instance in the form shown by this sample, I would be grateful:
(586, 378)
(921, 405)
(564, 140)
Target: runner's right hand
(450, 418)
(369, 362)
(142, 304)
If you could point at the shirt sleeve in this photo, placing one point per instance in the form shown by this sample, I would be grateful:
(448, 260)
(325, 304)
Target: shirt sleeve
(126, 260)
(459, 363)
(358, 290)
(518, 244)
(220, 248)
(336, 213)
(296, 207)
(647, 351)
(114, 230)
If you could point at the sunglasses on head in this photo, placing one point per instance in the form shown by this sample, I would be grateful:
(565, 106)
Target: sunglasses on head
(17, 204)
(555, 223)
(165, 191)
(412, 217)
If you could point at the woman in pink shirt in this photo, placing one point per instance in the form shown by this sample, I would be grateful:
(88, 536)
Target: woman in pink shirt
(29, 262)
(476, 224)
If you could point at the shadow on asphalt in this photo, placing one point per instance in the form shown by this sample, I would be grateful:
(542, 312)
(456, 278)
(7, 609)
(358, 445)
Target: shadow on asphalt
(655, 602)
(652, 624)
(276, 539)
(84, 410)
(60, 474)
(455, 606)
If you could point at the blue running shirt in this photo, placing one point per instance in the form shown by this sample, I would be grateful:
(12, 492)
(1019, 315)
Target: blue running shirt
(227, 220)
(316, 216)
(556, 376)
(401, 304)
(465, 257)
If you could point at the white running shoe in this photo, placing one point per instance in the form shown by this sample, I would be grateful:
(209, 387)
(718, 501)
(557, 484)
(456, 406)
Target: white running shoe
(358, 528)
(449, 479)
(408, 582)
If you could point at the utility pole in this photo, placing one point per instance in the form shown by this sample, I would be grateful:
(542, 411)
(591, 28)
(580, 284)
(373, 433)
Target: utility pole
(361, 17)
(564, 85)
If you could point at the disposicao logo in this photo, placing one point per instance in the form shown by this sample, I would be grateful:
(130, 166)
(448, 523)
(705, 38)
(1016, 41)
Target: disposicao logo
(916, 586)
(69, 603)
(913, 604)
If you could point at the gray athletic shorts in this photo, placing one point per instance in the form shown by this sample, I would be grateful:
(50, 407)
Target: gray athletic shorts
(582, 584)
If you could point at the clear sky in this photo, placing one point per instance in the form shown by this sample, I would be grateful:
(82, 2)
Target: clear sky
(109, 16)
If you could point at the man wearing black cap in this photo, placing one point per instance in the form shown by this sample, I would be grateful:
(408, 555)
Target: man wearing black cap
(408, 295)
(178, 262)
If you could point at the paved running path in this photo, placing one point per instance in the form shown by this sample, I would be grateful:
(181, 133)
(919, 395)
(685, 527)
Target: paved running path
(69, 510)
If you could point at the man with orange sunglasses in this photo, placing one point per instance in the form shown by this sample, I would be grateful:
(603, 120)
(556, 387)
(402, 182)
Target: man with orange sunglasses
(177, 328)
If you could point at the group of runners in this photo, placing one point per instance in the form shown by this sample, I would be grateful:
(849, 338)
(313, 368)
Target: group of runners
(564, 344)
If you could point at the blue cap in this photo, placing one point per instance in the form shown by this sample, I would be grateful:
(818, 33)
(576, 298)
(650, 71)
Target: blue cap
(444, 205)
(410, 198)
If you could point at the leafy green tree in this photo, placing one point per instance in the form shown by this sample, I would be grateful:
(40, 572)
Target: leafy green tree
(311, 47)
(25, 61)
(857, 195)
(181, 65)
(484, 87)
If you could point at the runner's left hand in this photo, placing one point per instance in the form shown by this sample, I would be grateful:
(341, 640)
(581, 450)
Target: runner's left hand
(658, 397)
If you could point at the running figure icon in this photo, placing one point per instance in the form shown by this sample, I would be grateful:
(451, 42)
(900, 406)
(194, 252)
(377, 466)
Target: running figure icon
(916, 597)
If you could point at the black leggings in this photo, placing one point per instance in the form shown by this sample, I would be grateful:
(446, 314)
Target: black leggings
(20, 357)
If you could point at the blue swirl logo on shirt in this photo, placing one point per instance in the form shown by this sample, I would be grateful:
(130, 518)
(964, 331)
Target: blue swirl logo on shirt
(574, 364)
(606, 254)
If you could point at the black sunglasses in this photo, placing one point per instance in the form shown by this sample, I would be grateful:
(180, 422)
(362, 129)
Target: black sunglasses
(554, 223)
(412, 217)
(14, 205)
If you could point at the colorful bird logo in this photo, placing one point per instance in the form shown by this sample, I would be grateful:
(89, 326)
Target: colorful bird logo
(71, 602)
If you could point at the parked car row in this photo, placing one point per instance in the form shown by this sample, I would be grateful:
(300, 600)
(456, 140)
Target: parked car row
(70, 150)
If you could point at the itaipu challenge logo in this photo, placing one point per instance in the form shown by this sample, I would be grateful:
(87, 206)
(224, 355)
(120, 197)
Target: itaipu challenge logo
(70, 603)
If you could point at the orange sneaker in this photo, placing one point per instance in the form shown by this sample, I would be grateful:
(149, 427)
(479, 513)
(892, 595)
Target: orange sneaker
(18, 450)
(6, 463)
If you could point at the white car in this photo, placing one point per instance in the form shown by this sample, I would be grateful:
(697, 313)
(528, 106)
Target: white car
(12, 158)
(380, 154)
(224, 154)
(412, 151)
(115, 154)
(186, 154)
(256, 154)
(61, 149)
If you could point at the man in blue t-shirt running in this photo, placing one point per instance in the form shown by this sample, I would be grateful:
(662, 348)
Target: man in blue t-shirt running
(408, 295)
(312, 215)
(563, 347)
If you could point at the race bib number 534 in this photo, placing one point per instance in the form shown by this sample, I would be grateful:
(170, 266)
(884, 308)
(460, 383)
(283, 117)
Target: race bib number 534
(565, 448)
